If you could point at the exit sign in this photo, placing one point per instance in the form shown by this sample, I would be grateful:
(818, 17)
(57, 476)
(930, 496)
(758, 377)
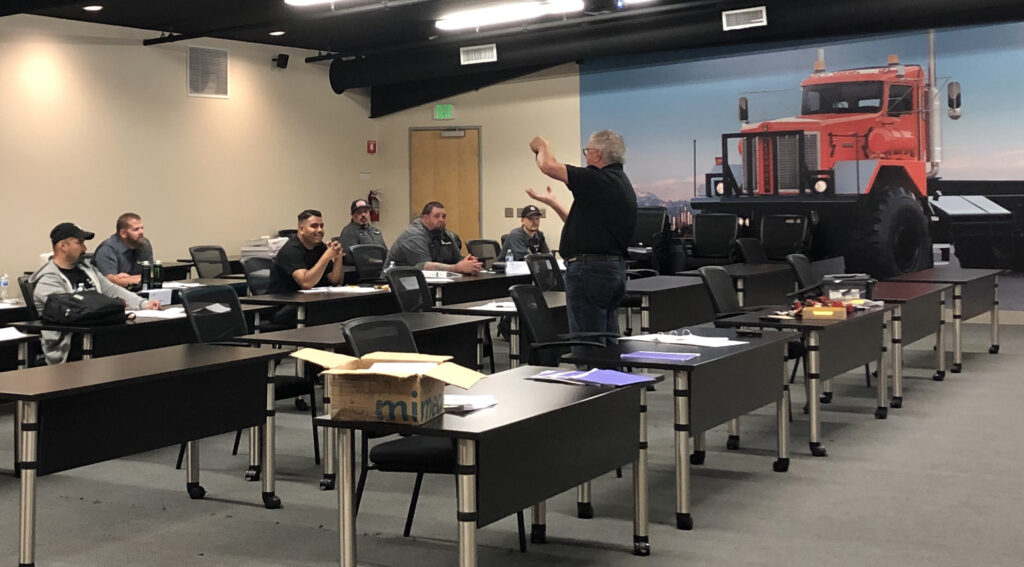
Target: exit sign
(444, 112)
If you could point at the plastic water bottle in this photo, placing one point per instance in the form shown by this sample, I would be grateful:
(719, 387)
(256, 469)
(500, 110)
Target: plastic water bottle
(508, 257)
(5, 283)
(158, 274)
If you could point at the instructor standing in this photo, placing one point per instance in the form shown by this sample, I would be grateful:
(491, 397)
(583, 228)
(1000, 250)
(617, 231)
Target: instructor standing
(598, 226)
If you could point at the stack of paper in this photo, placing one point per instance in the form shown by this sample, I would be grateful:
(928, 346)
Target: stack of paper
(169, 313)
(691, 340)
(465, 402)
(262, 247)
(655, 355)
(594, 377)
(497, 306)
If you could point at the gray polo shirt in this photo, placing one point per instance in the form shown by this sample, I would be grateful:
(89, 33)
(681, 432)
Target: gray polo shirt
(354, 233)
(416, 246)
(113, 257)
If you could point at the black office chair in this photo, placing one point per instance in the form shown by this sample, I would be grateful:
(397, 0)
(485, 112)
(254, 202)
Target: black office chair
(485, 250)
(211, 323)
(545, 272)
(783, 235)
(286, 232)
(714, 239)
(410, 454)
(210, 261)
(546, 345)
(369, 262)
(35, 349)
(257, 274)
(751, 251)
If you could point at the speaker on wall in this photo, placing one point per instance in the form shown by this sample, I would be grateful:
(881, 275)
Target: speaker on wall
(281, 60)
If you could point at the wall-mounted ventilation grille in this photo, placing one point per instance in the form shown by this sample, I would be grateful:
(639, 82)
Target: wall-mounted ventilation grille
(207, 72)
(745, 18)
(478, 54)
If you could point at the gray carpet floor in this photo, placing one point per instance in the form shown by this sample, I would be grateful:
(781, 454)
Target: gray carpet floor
(937, 483)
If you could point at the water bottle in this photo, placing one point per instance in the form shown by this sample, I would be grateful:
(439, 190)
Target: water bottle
(158, 274)
(508, 257)
(145, 273)
(5, 283)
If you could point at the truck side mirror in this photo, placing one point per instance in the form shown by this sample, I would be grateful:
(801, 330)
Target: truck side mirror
(744, 114)
(953, 99)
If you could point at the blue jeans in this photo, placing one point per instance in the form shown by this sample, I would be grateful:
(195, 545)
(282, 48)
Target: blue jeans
(593, 291)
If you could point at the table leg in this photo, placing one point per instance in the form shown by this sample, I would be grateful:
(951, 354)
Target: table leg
(994, 349)
(513, 341)
(195, 490)
(253, 473)
(270, 500)
(346, 499)
(584, 507)
(467, 514)
(480, 348)
(813, 377)
(733, 442)
(958, 353)
(641, 539)
(22, 355)
(681, 395)
(700, 444)
(86, 346)
(782, 416)
(897, 358)
(739, 290)
(940, 341)
(645, 314)
(29, 412)
(882, 367)
(539, 527)
(328, 480)
(22, 364)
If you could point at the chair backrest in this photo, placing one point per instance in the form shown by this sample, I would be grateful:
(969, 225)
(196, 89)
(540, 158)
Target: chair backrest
(720, 288)
(214, 313)
(751, 251)
(802, 271)
(545, 271)
(257, 274)
(369, 261)
(410, 289)
(210, 261)
(536, 322)
(485, 250)
(287, 232)
(374, 333)
(782, 235)
(28, 294)
(714, 234)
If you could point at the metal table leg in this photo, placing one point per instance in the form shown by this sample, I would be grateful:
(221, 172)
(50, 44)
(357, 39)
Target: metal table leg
(813, 377)
(29, 412)
(733, 442)
(645, 314)
(538, 527)
(681, 395)
(253, 473)
(195, 490)
(700, 445)
(513, 341)
(641, 539)
(958, 345)
(86, 346)
(940, 341)
(480, 348)
(466, 484)
(346, 499)
(882, 367)
(22, 364)
(897, 358)
(994, 349)
(782, 416)
(329, 478)
(584, 507)
(270, 500)
(740, 288)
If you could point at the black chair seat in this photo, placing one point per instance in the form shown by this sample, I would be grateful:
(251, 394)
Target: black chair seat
(795, 349)
(416, 453)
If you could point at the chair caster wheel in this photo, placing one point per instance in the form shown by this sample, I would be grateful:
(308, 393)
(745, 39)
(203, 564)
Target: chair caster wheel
(939, 375)
(957, 367)
(195, 491)
(641, 546)
(882, 412)
(697, 458)
(684, 521)
(327, 482)
(253, 474)
(539, 533)
(818, 450)
(994, 349)
(301, 405)
(733, 442)
(896, 402)
(826, 398)
(271, 501)
(584, 510)
(780, 465)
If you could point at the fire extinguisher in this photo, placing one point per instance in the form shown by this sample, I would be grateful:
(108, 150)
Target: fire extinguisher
(374, 200)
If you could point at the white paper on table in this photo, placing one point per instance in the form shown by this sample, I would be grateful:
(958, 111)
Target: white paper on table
(353, 289)
(217, 308)
(169, 313)
(468, 402)
(11, 304)
(322, 289)
(10, 334)
(403, 367)
(692, 340)
(497, 306)
(181, 285)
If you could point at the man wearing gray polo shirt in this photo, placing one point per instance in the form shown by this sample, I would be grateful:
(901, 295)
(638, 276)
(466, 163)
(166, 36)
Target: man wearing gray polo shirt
(118, 256)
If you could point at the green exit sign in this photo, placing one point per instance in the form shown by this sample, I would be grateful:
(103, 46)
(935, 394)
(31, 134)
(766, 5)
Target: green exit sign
(444, 112)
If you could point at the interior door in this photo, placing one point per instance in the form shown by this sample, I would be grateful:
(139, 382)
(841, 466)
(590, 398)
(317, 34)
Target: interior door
(444, 166)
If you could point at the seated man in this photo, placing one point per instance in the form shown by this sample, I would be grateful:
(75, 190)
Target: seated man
(64, 274)
(118, 256)
(305, 262)
(527, 239)
(427, 245)
(359, 231)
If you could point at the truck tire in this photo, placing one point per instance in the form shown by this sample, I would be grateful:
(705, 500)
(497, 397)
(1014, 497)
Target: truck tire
(892, 236)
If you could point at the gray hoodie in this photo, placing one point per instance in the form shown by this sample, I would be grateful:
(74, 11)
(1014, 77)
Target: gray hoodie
(49, 279)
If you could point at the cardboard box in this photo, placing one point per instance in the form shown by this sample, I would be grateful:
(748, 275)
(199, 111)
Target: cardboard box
(824, 313)
(405, 388)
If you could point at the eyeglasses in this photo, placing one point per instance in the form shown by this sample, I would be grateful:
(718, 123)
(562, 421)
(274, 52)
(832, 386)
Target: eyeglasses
(585, 150)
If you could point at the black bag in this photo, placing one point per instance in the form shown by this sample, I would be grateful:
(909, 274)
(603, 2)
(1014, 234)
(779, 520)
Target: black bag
(88, 307)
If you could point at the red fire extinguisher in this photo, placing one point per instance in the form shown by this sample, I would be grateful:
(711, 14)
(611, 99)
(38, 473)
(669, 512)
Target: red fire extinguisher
(374, 200)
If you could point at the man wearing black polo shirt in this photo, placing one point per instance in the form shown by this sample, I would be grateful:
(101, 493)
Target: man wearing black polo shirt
(305, 262)
(598, 226)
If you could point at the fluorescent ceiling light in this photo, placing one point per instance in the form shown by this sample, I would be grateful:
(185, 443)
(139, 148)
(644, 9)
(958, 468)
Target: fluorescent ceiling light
(307, 2)
(92, 8)
(506, 13)
(631, 2)
(276, 33)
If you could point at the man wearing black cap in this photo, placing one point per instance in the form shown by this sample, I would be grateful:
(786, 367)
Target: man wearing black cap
(527, 239)
(359, 231)
(66, 273)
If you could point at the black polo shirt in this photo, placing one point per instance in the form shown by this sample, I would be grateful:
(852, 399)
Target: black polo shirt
(602, 218)
(294, 256)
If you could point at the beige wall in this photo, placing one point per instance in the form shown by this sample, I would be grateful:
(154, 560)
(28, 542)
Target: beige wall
(93, 124)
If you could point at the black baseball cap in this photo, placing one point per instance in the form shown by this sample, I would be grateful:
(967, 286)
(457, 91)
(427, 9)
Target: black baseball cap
(529, 210)
(68, 230)
(359, 204)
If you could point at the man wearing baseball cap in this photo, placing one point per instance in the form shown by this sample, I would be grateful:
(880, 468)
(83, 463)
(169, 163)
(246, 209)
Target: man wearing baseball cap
(526, 239)
(68, 272)
(359, 231)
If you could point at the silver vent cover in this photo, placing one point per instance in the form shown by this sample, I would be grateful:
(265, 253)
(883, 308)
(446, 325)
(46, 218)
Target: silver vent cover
(744, 18)
(207, 72)
(478, 54)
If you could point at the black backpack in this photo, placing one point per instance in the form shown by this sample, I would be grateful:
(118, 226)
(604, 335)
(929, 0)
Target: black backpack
(83, 308)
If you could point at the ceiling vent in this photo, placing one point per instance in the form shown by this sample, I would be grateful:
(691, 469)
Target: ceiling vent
(207, 72)
(478, 54)
(746, 18)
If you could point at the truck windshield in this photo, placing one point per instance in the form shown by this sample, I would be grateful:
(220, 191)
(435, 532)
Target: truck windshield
(842, 98)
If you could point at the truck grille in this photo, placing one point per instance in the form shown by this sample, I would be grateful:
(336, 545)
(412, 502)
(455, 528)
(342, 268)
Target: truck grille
(787, 168)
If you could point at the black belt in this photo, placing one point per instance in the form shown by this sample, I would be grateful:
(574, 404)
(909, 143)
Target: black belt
(593, 258)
